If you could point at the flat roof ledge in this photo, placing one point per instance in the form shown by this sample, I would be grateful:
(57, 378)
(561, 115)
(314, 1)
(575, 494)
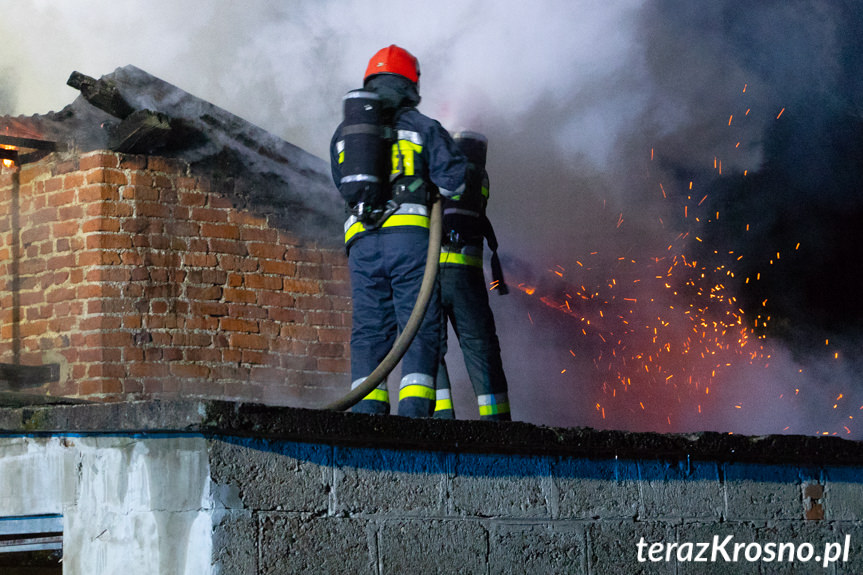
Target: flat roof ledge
(226, 418)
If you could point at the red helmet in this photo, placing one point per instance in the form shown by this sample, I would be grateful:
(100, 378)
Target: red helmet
(394, 60)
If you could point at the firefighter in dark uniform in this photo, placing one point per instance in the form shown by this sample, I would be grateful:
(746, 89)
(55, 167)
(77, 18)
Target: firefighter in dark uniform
(464, 293)
(387, 237)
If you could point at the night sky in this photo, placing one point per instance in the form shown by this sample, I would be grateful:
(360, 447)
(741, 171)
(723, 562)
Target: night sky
(676, 186)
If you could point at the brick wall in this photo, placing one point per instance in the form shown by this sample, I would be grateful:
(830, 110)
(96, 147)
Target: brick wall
(141, 280)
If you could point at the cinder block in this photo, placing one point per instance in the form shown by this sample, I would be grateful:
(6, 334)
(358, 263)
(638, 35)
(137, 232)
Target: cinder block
(434, 546)
(501, 486)
(715, 563)
(811, 538)
(235, 542)
(763, 492)
(516, 548)
(269, 475)
(388, 482)
(596, 489)
(680, 490)
(293, 543)
(612, 547)
(843, 494)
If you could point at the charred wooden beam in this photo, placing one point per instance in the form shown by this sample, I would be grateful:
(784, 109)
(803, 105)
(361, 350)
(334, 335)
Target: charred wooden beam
(142, 132)
(30, 143)
(29, 375)
(102, 93)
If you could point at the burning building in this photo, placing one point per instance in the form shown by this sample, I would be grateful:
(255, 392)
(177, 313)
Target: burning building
(167, 288)
(166, 247)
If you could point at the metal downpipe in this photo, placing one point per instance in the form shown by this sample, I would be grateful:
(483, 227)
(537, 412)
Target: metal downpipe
(405, 338)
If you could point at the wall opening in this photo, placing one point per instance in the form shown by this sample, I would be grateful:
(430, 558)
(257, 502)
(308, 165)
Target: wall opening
(31, 545)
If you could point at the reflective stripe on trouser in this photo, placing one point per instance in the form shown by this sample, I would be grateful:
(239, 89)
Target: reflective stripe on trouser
(416, 395)
(376, 402)
(443, 408)
(386, 268)
(464, 299)
(492, 404)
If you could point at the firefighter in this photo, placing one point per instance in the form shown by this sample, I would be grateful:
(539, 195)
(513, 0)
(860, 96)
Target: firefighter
(387, 228)
(464, 294)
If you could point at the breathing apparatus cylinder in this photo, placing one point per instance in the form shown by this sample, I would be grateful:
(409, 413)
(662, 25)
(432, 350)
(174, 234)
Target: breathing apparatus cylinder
(364, 174)
(473, 145)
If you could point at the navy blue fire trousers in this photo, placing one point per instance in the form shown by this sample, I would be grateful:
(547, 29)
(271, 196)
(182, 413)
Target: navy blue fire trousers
(464, 302)
(386, 269)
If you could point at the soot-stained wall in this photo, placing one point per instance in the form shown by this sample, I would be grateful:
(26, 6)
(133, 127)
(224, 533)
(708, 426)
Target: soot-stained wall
(142, 278)
(218, 487)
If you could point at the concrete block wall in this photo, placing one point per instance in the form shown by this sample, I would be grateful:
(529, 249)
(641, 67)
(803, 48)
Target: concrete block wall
(142, 280)
(307, 508)
(197, 487)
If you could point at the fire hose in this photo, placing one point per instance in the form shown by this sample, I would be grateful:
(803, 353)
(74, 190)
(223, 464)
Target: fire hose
(403, 341)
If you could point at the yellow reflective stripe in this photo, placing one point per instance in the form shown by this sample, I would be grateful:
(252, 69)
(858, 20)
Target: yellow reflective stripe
(406, 149)
(415, 390)
(378, 395)
(443, 405)
(461, 259)
(406, 220)
(354, 230)
(393, 221)
(493, 409)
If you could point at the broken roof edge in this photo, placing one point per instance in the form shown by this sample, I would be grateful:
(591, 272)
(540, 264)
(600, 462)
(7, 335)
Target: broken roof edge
(217, 418)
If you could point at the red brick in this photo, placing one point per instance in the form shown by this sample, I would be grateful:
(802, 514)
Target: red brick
(225, 231)
(208, 215)
(30, 172)
(37, 234)
(140, 192)
(64, 229)
(210, 309)
(141, 179)
(206, 293)
(207, 355)
(264, 250)
(152, 210)
(248, 341)
(235, 324)
(302, 286)
(248, 311)
(190, 370)
(67, 213)
(107, 241)
(224, 246)
(240, 295)
(200, 260)
(107, 176)
(231, 262)
(333, 365)
(96, 192)
(73, 180)
(278, 267)
(98, 225)
(130, 162)
(149, 370)
(100, 159)
(61, 198)
(264, 282)
(191, 199)
(327, 350)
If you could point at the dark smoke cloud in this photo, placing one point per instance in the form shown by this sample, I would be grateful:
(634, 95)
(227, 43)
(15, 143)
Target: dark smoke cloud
(608, 124)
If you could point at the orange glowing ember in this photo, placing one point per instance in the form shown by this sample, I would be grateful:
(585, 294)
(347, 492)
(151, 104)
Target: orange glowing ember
(6, 162)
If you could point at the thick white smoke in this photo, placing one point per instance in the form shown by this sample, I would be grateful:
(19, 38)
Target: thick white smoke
(588, 106)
